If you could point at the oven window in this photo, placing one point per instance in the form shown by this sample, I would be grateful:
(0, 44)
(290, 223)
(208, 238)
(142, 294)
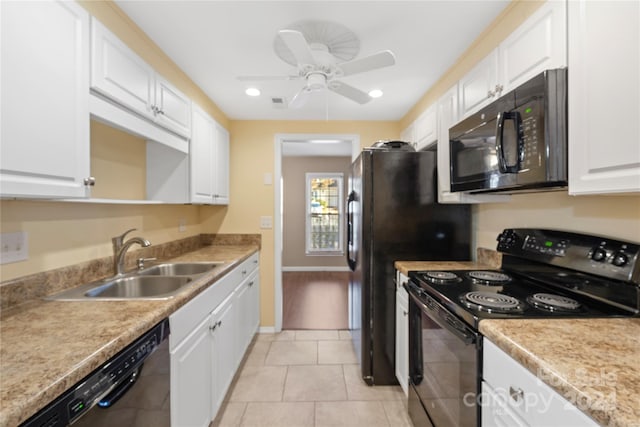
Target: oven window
(443, 372)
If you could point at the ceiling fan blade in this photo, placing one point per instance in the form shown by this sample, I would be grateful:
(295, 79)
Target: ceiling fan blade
(300, 98)
(266, 78)
(368, 63)
(349, 92)
(298, 45)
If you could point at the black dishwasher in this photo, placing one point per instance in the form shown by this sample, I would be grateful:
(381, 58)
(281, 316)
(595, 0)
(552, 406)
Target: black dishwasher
(109, 383)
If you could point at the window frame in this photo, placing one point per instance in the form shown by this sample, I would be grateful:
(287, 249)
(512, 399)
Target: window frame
(309, 250)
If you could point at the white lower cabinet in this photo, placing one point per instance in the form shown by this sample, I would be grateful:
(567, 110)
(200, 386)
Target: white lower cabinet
(225, 360)
(513, 396)
(402, 333)
(191, 370)
(209, 336)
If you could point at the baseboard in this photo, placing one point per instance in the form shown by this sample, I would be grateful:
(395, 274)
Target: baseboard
(267, 330)
(318, 268)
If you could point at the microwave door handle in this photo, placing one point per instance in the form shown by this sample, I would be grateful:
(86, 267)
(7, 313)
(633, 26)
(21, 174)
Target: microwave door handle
(502, 161)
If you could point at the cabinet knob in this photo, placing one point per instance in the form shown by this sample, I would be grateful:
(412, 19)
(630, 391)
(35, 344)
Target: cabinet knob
(516, 394)
(490, 94)
(250, 283)
(498, 90)
(405, 313)
(90, 182)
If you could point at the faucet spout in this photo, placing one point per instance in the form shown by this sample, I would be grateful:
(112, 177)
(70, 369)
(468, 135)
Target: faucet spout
(120, 248)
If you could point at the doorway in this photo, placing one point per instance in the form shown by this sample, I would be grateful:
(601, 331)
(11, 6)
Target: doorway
(310, 287)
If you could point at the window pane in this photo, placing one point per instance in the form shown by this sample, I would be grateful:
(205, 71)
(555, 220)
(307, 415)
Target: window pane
(324, 212)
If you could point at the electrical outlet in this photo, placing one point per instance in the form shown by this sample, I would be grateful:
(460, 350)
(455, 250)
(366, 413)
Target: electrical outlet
(182, 225)
(266, 222)
(13, 247)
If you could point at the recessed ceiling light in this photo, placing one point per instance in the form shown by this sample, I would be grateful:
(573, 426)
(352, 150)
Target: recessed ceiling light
(252, 91)
(375, 93)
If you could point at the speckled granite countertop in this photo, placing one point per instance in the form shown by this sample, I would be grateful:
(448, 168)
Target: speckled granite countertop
(487, 258)
(595, 362)
(48, 346)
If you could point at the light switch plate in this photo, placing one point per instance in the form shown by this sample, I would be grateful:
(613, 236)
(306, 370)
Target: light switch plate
(267, 178)
(13, 247)
(266, 222)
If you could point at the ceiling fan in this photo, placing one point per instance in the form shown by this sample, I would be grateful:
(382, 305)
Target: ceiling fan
(316, 48)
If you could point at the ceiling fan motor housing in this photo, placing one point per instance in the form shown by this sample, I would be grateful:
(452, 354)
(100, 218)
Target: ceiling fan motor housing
(316, 81)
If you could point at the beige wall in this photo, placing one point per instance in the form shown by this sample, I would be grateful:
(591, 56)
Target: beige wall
(294, 171)
(614, 216)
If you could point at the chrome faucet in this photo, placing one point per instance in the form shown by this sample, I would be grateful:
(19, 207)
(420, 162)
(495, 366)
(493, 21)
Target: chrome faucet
(120, 248)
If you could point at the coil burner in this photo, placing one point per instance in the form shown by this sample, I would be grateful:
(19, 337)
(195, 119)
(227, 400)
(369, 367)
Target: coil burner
(551, 302)
(491, 278)
(491, 302)
(441, 277)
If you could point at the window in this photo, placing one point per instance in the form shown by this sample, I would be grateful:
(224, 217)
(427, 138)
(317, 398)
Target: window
(324, 213)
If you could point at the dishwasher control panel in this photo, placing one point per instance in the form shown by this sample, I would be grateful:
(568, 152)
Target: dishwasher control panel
(109, 379)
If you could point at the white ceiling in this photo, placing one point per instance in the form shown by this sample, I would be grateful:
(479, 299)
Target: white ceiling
(214, 42)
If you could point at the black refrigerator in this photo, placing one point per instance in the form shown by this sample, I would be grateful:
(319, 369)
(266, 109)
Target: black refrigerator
(393, 215)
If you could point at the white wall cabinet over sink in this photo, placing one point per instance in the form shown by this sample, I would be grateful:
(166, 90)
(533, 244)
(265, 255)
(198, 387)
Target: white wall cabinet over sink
(209, 336)
(45, 81)
(513, 396)
(122, 76)
(209, 160)
(604, 97)
(540, 43)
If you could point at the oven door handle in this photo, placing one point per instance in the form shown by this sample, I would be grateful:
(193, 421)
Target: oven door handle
(440, 315)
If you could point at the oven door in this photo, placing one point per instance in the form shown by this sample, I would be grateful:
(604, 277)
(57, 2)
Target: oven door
(444, 365)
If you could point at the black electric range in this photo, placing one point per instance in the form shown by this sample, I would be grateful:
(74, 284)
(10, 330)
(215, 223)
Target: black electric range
(544, 274)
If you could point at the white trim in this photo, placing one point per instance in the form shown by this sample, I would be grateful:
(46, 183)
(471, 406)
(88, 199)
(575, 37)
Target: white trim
(267, 330)
(319, 268)
(279, 139)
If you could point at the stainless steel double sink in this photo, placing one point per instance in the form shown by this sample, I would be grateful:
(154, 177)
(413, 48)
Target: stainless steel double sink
(160, 281)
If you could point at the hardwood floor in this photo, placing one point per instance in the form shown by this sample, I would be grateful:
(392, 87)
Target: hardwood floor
(315, 300)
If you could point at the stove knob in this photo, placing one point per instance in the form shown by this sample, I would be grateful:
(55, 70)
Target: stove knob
(620, 259)
(598, 254)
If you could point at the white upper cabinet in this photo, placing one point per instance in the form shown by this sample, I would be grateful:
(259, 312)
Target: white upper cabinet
(209, 160)
(425, 128)
(540, 43)
(45, 100)
(604, 97)
(221, 167)
(479, 86)
(537, 45)
(119, 74)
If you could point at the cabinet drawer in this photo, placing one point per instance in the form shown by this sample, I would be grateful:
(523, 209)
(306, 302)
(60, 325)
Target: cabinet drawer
(526, 395)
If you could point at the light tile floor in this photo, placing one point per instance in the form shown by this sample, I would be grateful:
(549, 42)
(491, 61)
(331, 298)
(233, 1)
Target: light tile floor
(307, 378)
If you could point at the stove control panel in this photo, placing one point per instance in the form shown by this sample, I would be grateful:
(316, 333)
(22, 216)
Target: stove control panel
(605, 257)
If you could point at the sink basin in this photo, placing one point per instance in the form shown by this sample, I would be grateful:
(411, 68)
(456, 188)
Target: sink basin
(139, 287)
(179, 269)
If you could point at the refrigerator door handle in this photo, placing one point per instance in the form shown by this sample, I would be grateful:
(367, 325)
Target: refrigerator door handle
(350, 261)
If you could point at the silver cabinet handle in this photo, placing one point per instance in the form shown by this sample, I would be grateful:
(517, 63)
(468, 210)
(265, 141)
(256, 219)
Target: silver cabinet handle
(405, 313)
(516, 394)
(490, 94)
(215, 325)
(499, 88)
(90, 182)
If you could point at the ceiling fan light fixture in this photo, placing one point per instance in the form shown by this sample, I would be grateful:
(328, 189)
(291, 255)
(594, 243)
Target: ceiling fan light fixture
(252, 91)
(375, 93)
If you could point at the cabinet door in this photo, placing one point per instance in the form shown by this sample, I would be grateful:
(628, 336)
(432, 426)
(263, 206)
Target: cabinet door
(402, 335)
(118, 73)
(172, 108)
(253, 315)
(221, 166)
(538, 44)
(224, 332)
(495, 413)
(201, 156)
(191, 373)
(425, 128)
(604, 105)
(45, 99)
(479, 86)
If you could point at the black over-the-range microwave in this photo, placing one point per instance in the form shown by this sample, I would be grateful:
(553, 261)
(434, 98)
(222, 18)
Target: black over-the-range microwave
(517, 143)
